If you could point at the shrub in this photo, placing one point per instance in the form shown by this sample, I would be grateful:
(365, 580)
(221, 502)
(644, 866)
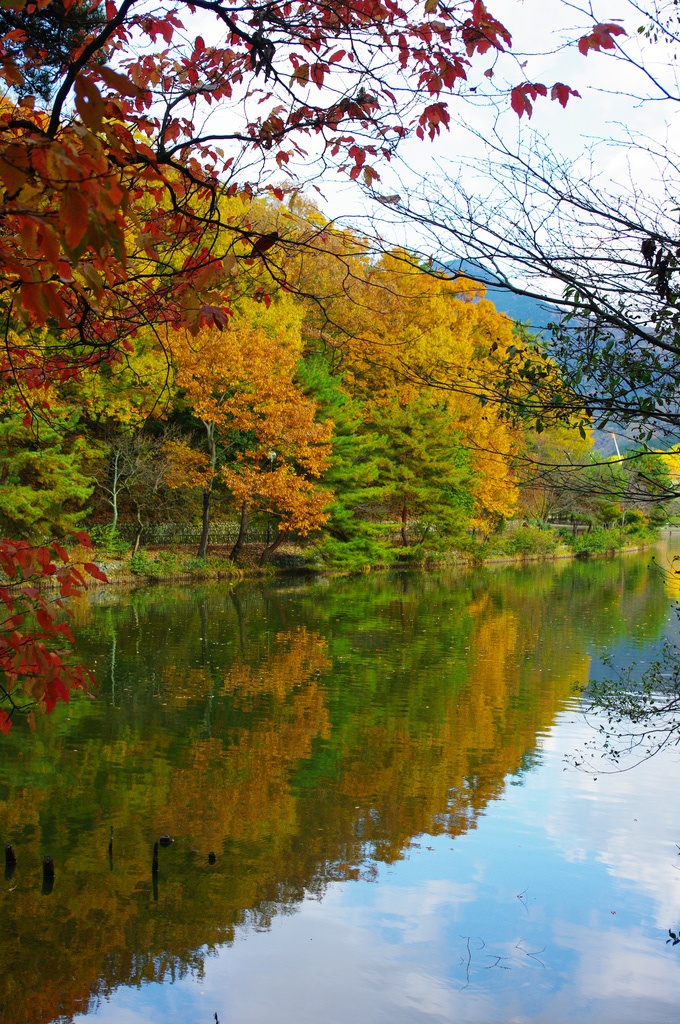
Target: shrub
(108, 541)
(166, 563)
(360, 554)
(197, 565)
(602, 542)
(141, 565)
(526, 541)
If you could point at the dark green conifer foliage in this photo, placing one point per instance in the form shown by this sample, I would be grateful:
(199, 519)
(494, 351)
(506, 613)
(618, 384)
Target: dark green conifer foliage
(43, 483)
(51, 34)
(352, 537)
(425, 470)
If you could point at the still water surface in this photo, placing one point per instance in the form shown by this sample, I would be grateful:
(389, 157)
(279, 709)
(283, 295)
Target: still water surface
(379, 766)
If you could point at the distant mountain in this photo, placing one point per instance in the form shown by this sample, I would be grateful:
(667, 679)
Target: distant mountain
(520, 307)
(538, 315)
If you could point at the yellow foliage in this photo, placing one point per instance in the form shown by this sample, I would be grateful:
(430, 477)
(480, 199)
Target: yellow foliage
(240, 382)
(186, 466)
(417, 332)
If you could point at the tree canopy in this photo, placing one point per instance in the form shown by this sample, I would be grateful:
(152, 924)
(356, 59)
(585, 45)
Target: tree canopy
(133, 141)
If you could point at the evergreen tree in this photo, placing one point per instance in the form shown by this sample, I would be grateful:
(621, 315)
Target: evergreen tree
(43, 40)
(42, 472)
(425, 469)
(353, 537)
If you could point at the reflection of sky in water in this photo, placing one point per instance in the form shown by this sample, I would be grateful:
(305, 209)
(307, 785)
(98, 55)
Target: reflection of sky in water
(294, 727)
(554, 909)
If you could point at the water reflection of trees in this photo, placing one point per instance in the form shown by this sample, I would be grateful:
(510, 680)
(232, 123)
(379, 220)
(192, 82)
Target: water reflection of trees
(304, 734)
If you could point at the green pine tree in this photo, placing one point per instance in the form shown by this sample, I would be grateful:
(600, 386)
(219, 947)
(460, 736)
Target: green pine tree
(44, 488)
(354, 536)
(425, 470)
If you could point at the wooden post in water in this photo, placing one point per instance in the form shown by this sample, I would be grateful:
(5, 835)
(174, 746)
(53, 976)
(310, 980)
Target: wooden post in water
(10, 862)
(48, 875)
(154, 872)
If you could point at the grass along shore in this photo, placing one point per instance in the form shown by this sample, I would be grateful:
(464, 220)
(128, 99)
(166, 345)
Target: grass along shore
(524, 544)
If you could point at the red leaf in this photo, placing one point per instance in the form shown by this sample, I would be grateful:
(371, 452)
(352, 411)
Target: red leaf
(95, 571)
(73, 214)
(5, 723)
(119, 83)
(44, 619)
(89, 103)
(83, 538)
(61, 552)
(601, 38)
(562, 93)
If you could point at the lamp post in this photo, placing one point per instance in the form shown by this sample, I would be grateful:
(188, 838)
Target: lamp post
(272, 456)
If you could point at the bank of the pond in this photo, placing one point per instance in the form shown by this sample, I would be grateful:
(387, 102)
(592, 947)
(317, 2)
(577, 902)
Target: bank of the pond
(165, 563)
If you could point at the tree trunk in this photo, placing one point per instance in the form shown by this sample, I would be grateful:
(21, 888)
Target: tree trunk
(240, 540)
(404, 538)
(140, 530)
(271, 548)
(114, 492)
(205, 525)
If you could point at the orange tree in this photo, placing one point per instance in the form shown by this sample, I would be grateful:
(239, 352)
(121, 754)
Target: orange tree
(112, 170)
(259, 431)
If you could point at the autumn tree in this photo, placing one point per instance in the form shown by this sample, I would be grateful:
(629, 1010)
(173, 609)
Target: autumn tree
(416, 330)
(260, 430)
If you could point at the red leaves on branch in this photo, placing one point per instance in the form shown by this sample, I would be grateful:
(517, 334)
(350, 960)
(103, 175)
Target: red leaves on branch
(561, 93)
(88, 203)
(35, 671)
(601, 38)
(432, 120)
(523, 96)
(482, 32)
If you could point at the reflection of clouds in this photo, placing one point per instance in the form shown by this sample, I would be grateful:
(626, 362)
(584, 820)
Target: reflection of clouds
(425, 993)
(347, 972)
(626, 820)
(113, 1012)
(391, 953)
(419, 914)
(626, 970)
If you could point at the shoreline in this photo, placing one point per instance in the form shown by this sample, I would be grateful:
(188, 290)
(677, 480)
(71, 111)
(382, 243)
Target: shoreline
(255, 573)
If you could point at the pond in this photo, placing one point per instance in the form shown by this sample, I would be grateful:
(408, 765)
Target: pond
(384, 769)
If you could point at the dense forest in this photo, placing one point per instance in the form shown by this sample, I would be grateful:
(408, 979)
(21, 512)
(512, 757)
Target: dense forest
(309, 415)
